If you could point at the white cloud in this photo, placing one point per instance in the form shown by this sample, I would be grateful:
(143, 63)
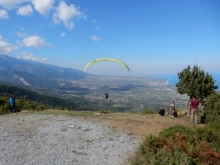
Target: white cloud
(25, 10)
(19, 34)
(65, 13)
(63, 34)
(3, 14)
(8, 4)
(35, 41)
(95, 38)
(43, 6)
(6, 47)
(29, 56)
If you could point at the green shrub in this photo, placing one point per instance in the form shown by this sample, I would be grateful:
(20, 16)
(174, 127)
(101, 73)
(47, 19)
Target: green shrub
(150, 141)
(24, 104)
(212, 109)
(148, 111)
(181, 145)
(27, 107)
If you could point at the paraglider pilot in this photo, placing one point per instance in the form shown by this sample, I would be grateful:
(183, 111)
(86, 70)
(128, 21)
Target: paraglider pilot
(106, 95)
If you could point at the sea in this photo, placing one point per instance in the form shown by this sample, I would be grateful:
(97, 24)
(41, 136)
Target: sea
(172, 79)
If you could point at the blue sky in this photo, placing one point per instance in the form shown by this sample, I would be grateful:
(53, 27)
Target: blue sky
(150, 36)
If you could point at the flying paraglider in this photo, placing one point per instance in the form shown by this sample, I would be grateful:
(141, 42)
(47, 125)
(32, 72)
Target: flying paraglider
(105, 59)
(106, 95)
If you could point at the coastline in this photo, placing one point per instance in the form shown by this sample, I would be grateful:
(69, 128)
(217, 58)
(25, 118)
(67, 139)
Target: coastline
(173, 79)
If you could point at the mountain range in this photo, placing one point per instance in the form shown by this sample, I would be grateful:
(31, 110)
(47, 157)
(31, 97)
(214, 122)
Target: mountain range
(35, 74)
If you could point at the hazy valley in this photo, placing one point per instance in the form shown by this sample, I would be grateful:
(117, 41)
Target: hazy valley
(125, 93)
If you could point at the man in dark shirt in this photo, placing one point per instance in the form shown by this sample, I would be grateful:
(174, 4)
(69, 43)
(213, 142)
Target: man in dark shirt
(195, 104)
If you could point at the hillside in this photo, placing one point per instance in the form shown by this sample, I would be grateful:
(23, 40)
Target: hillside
(24, 98)
(35, 74)
(52, 137)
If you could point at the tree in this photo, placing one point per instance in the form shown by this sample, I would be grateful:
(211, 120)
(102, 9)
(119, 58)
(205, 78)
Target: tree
(212, 108)
(195, 82)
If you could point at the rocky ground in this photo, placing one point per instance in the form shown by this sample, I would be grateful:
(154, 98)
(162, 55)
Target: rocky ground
(48, 139)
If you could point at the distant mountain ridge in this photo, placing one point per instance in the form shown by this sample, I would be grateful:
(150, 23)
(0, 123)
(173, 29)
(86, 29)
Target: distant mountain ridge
(35, 74)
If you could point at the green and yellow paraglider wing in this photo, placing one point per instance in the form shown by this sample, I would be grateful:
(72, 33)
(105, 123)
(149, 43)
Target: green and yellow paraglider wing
(105, 59)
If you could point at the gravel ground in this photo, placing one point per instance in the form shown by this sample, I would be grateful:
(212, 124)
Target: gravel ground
(39, 139)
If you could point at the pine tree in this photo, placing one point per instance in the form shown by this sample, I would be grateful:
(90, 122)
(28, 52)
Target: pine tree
(195, 82)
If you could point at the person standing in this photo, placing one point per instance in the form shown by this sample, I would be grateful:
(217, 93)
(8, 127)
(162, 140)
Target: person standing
(188, 109)
(195, 104)
(12, 103)
(172, 107)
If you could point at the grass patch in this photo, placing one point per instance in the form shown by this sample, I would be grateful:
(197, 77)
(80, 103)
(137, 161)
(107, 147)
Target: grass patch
(181, 112)
(104, 112)
(149, 111)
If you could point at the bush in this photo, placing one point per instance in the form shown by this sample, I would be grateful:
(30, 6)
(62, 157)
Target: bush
(212, 109)
(181, 145)
(23, 104)
(148, 111)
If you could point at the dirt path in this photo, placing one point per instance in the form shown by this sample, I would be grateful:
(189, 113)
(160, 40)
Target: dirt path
(140, 125)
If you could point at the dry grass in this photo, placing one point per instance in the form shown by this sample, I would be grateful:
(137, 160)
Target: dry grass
(181, 112)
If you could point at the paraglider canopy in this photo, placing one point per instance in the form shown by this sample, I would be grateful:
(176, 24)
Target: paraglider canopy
(105, 59)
